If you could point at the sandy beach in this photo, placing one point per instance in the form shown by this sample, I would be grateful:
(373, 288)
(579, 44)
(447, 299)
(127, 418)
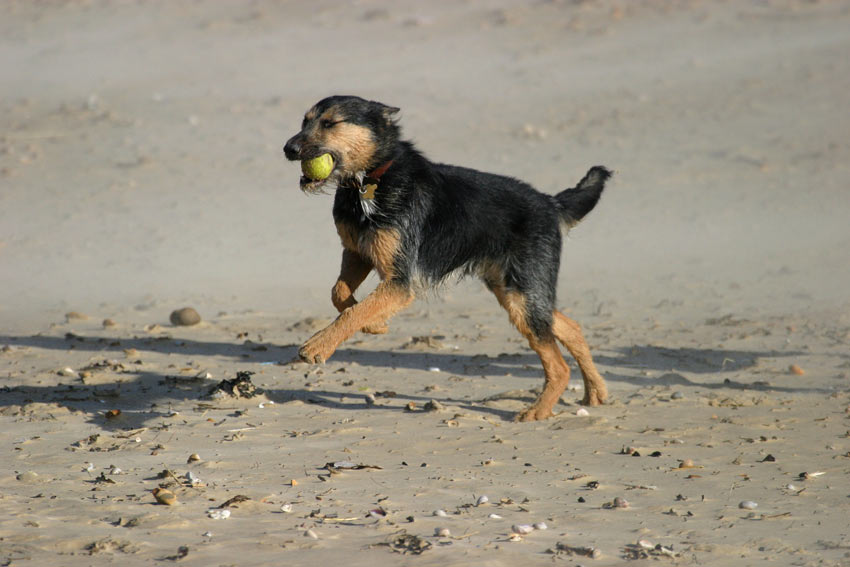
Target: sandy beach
(141, 172)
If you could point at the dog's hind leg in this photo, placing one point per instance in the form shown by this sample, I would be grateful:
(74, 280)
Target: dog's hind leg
(352, 273)
(569, 333)
(555, 369)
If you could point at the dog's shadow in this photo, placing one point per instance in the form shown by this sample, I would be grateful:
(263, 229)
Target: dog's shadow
(145, 395)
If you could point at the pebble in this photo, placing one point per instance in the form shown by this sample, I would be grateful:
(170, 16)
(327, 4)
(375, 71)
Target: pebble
(442, 532)
(522, 529)
(115, 470)
(370, 399)
(748, 505)
(620, 503)
(193, 458)
(540, 526)
(217, 514)
(433, 369)
(440, 513)
(311, 534)
(677, 395)
(686, 464)
(185, 317)
(108, 323)
(69, 372)
(795, 369)
(582, 412)
(434, 405)
(193, 479)
(286, 508)
(494, 517)
(482, 500)
(791, 487)
(164, 496)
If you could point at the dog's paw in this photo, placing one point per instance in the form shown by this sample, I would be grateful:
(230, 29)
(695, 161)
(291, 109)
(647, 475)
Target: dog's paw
(595, 396)
(376, 329)
(315, 350)
(534, 413)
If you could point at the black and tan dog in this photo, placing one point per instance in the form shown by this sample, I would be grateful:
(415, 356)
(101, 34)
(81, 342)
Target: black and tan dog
(415, 221)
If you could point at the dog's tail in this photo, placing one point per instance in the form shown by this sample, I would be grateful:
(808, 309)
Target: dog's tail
(574, 203)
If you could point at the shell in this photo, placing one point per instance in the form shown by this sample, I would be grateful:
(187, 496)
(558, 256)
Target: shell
(748, 505)
(217, 514)
(193, 458)
(286, 508)
(164, 496)
(311, 534)
(582, 412)
(440, 513)
(442, 532)
(482, 500)
(522, 529)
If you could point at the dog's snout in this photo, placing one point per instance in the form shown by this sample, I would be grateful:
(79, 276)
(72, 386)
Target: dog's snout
(292, 149)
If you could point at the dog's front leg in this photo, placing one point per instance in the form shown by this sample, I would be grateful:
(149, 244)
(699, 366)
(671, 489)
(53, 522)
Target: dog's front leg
(385, 301)
(352, 273)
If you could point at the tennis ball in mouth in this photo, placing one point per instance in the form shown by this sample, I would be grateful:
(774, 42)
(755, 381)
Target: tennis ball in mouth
(318, 168)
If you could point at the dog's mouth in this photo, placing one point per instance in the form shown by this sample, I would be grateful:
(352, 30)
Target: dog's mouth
(312, 186)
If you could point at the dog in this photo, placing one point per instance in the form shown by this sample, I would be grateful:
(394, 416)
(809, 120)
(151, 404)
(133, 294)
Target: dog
(417, 222)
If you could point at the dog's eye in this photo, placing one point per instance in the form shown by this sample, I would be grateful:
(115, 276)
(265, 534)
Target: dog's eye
(327, 123)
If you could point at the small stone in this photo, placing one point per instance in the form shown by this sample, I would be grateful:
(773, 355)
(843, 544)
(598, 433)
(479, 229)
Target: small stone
(286, 508)
(540, 526)
(748, 505)
(433, 405)
(112, 414)
(311, 534)
(411, 406)
(620, 503)
(440, 513)
(494, 517)
(522, 529)
(185, 317)
(442, 532)
(582, 412)
(794, 369)
(74, 315)
(677, 395)
(68, 372)
(218, 514)
(369, 399)
(108, 323)
(686, 464)
(193, 458)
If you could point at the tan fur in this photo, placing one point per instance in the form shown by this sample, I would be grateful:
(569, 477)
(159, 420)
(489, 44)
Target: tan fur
(387, 299)
(353, 143)
(569, 333)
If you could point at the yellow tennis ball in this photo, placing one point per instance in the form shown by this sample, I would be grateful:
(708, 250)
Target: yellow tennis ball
(318, 168)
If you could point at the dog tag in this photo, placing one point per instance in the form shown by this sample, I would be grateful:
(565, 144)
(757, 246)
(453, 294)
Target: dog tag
(368, 191)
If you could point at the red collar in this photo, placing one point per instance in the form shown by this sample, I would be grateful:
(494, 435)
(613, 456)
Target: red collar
(379, 171)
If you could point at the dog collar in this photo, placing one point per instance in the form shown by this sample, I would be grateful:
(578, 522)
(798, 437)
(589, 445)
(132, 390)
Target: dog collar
(373, 178)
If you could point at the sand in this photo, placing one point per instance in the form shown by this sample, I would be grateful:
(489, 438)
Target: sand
(141, 171)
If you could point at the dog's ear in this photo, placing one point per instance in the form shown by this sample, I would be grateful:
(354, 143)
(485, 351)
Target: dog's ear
(388, 112)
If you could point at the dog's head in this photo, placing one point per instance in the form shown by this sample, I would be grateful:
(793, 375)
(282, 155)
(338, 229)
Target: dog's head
(359, 134)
